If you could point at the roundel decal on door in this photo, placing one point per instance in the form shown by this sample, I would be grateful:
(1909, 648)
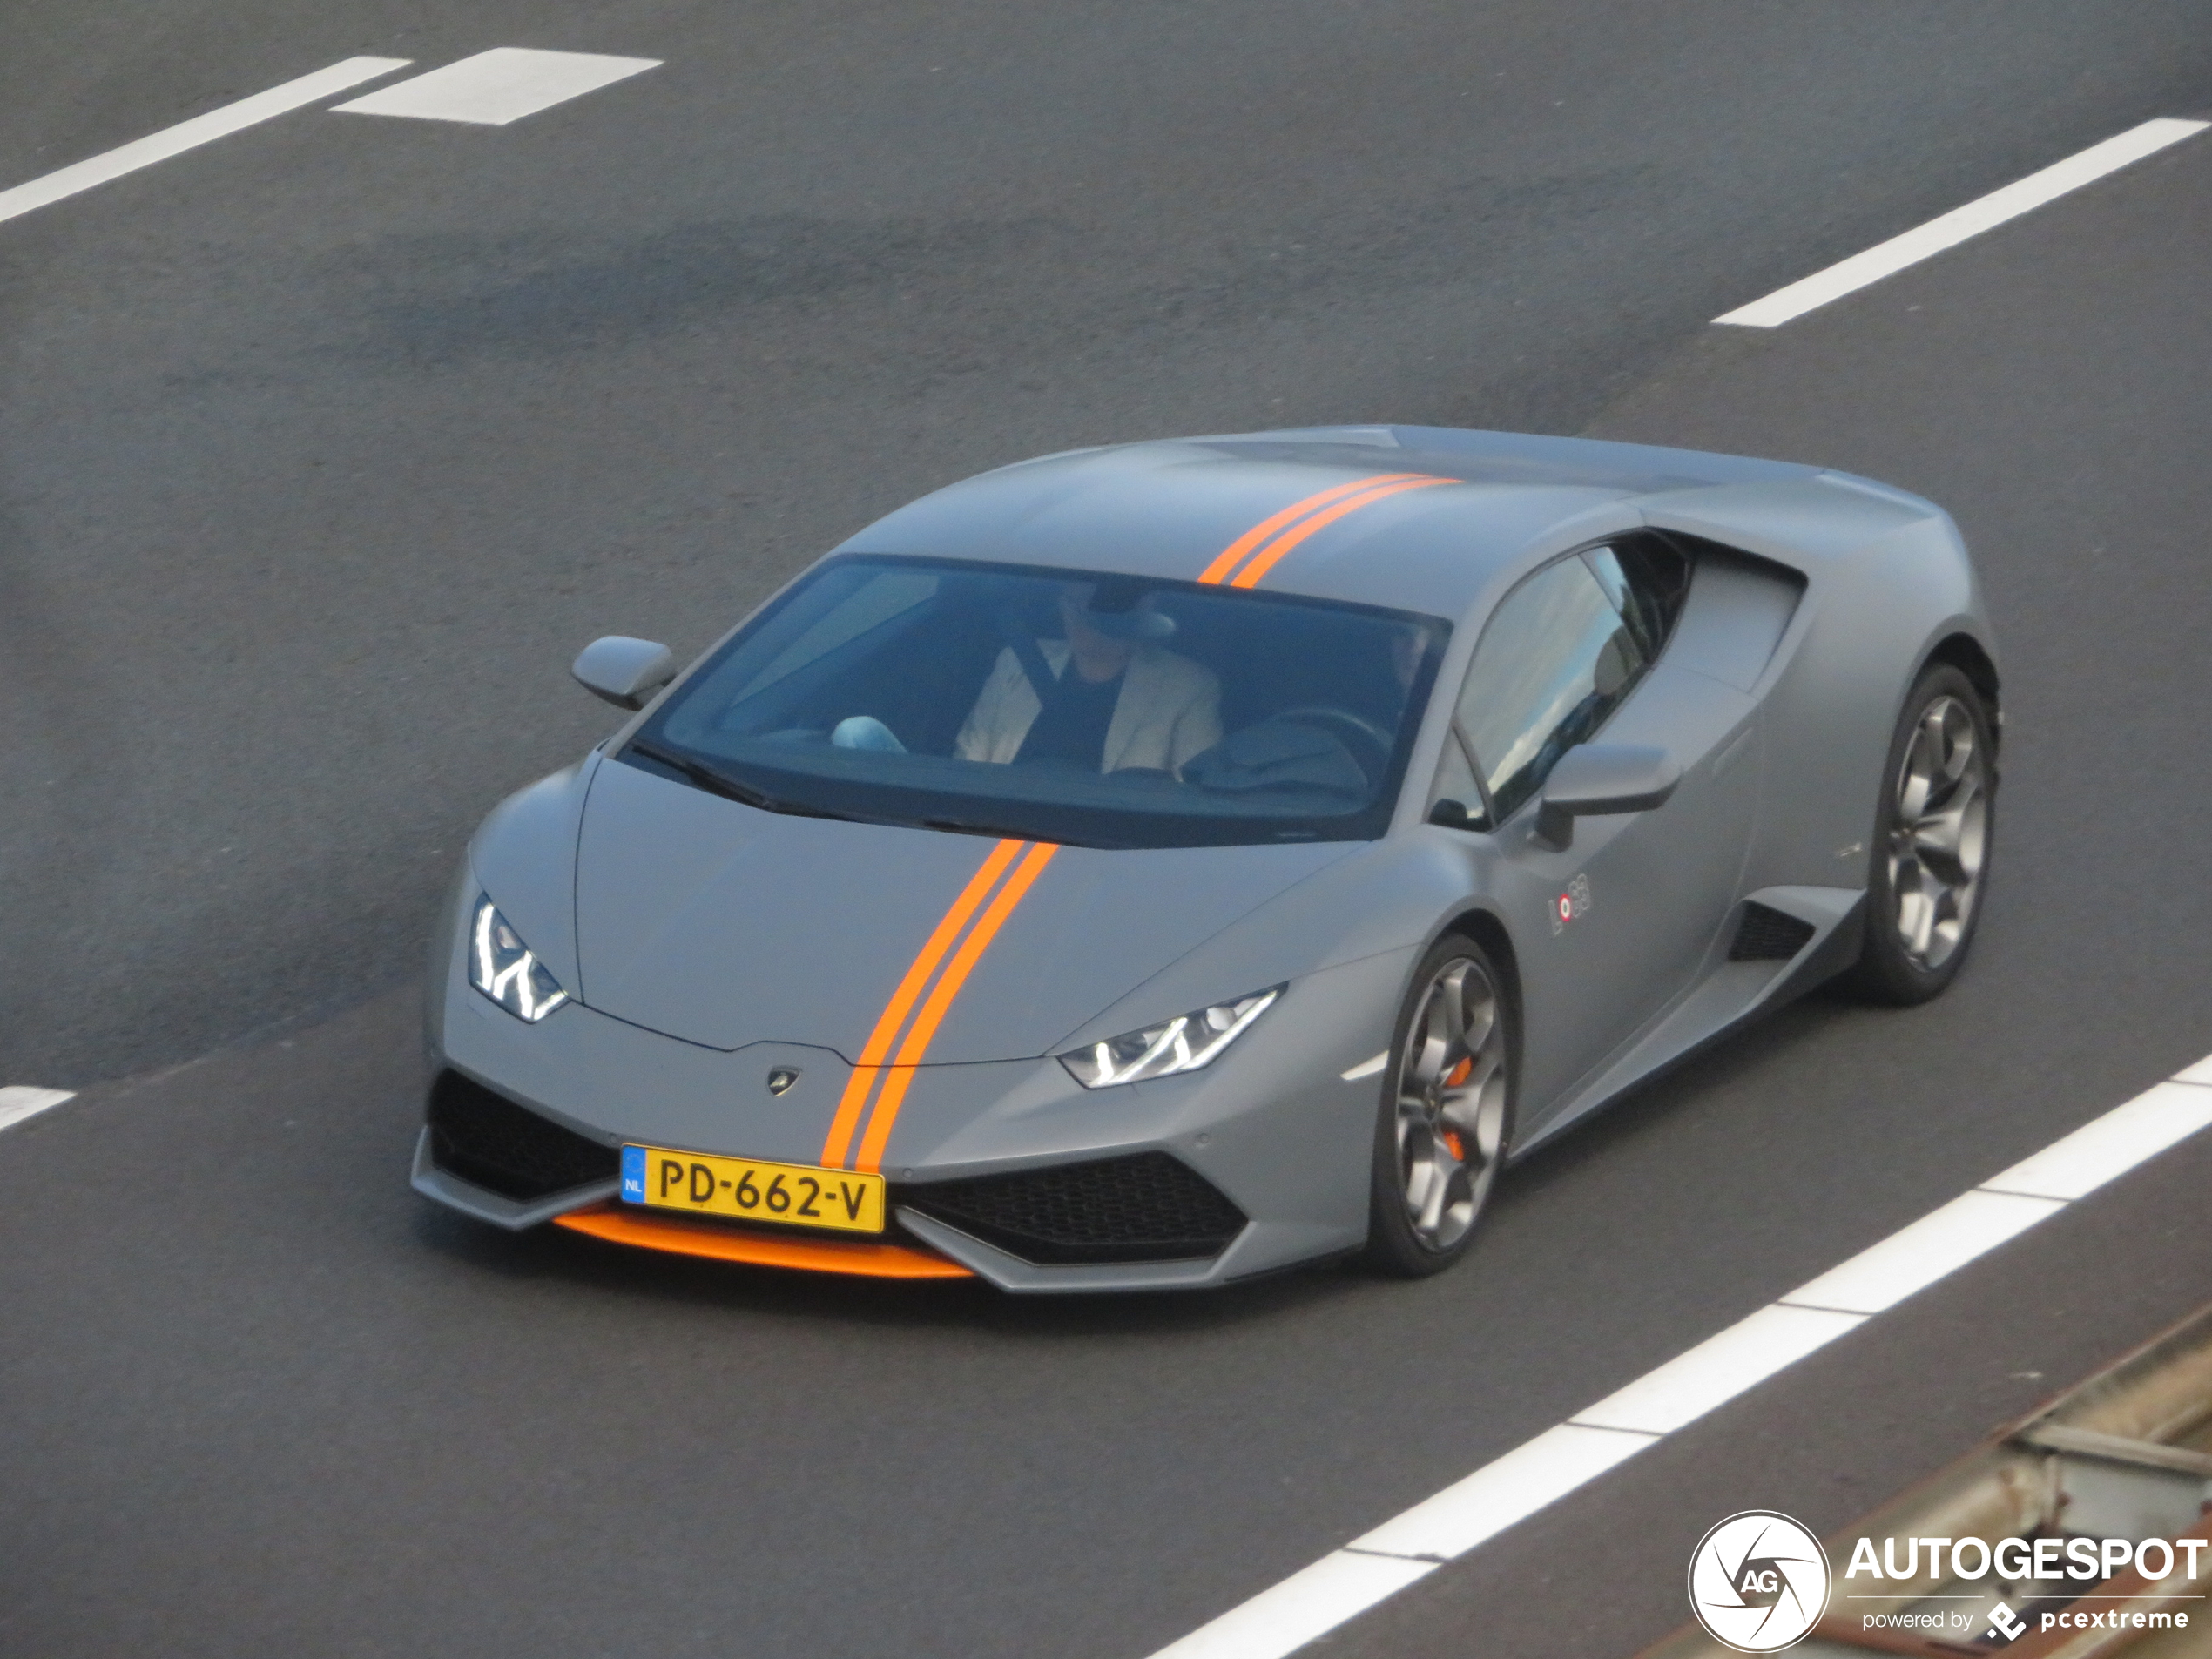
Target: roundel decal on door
(1572, 905)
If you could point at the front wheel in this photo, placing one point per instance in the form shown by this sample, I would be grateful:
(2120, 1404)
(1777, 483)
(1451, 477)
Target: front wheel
(1447, 1112)
(1932, 832)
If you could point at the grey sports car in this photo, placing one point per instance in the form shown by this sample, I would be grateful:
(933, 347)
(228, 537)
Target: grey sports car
(1154, 866)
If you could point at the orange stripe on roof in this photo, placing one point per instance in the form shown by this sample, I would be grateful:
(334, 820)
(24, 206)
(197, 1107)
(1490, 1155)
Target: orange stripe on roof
(901, 1071)
(1219, 569)
(868, 1067)
(1269, 556)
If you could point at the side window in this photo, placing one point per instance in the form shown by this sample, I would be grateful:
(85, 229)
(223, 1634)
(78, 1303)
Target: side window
(1646, 578)
(1557, 657)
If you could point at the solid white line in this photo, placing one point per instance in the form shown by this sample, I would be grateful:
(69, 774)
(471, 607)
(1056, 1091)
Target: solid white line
(19, 1100)
(1516, 1486)
(2115, 1143)
(1377, 1565)
(190, 135)
(1955, 227)
(1718, 1369)
(1933, 1247)
(1309, 1603)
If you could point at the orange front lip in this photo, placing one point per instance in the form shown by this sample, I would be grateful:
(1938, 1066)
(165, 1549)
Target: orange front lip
(623, 1225)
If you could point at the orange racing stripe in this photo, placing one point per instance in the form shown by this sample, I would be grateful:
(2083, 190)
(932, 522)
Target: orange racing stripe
(869, 1067)
(1231, 555)
(1269, 556)
(901, 1071)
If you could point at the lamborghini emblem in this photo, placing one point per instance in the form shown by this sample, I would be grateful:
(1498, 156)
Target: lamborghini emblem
(782, 1078)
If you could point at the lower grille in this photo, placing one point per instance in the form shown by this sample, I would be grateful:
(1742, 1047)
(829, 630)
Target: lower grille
(1150, 1207)
(488, 1140)
(1767, 935)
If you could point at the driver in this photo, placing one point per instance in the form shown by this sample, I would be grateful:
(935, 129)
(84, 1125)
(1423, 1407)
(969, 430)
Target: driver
(1119, 699)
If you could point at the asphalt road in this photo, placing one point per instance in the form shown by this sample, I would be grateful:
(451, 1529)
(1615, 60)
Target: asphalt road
(323, 448)
(2045, 383)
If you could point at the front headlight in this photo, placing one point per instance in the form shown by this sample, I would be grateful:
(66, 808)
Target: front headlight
(501, 966)
(1183, 1043)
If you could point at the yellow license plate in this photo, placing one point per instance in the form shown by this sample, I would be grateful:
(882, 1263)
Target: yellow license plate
(794, 1194)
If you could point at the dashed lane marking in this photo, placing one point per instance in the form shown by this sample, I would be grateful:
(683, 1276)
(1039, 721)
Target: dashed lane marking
(498, 86)
(190, 135)
(1888, 258)
(1378, 1564)
(489, 89)
(19, 1100)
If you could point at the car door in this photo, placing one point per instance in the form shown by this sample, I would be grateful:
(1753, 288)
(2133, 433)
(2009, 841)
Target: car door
(1611, 928)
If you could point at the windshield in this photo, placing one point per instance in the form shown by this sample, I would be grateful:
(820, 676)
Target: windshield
(1095, 709)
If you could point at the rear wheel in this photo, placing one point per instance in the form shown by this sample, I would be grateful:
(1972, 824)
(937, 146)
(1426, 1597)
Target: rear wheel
(1933, 830)
(1447, 1112)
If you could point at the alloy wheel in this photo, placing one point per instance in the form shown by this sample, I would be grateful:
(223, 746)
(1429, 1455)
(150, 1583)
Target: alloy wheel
(1938, 834)
(1451, 1103)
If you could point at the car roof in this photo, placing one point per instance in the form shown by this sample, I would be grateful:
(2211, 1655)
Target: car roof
(1171, 509)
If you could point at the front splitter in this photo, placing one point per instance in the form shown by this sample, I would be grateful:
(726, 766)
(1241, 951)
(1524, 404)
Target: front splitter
(622, 1225)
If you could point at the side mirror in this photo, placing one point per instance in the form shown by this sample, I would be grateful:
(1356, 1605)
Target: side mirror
(625, 671)
(1599, 779)
(1453, 815)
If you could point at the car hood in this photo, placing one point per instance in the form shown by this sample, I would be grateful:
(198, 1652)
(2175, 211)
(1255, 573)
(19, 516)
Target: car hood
(710, 922)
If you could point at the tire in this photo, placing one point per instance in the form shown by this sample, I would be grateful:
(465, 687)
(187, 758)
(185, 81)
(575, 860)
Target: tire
(1933, 828)
(1439, 1143)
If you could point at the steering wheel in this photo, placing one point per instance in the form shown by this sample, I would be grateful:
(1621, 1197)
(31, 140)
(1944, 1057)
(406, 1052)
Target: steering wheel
(1370, 744)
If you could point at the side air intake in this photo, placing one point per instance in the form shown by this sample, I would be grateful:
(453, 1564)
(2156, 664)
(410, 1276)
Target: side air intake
(489, 1141)
(1766, 935)
(1150, 1207)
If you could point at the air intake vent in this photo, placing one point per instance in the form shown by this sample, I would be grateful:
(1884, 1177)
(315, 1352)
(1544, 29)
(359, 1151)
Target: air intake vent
(1767, 935)
(488, 1140)
(1148, 1207)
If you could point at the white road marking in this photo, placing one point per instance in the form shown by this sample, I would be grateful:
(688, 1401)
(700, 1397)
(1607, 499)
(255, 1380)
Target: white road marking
(2115, 1142)
(1377, 1565)
(190, 135)
(1933, 1247)
(498, 86)
(19, 1100)
(1368, 1068)
(1718, 1369)
(1307, 1604)
(1501, 1493)
(1955, 227)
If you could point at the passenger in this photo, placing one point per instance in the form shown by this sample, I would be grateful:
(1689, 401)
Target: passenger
(1129, 703)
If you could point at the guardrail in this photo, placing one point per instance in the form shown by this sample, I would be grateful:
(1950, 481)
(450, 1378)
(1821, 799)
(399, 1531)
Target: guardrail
(2085, 1531)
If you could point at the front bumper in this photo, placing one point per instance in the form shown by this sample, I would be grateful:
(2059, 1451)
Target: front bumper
(1271, 1129)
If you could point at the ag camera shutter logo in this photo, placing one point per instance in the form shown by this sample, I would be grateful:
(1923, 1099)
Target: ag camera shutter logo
(1759, 1581)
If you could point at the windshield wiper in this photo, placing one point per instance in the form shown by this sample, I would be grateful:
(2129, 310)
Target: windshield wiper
(719, 783)
(969, 826)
